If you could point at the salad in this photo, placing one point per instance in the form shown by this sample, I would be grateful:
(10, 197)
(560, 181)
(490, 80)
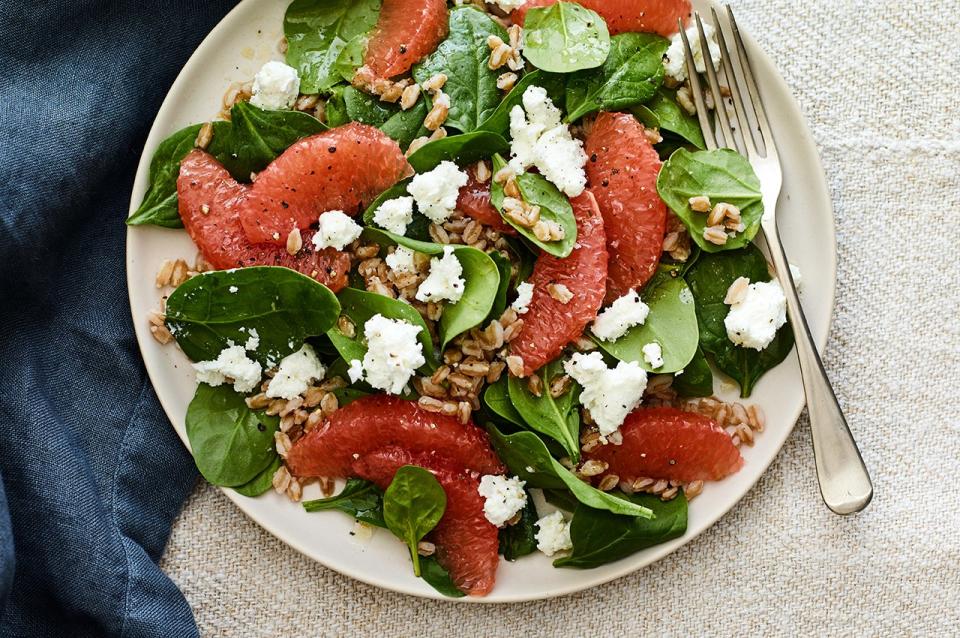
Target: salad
(467, 272)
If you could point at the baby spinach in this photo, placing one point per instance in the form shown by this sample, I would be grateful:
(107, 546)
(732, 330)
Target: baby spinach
(520, 539)
(348, 104)
(565, 37)
(555, 418)
(159, 205)
(601, 537)
(663, 112)
(412, 506)
(497, 398)
(360, 306)
(461, 149)
(463, 57)
(723, 175)
(359, 498)
(283, 306)
(419, 228)
(696, 380)
(672, 323)
(260, 483)
(231, 443)
(350, 58)
(479, 293)
(630, 75)
(499, 119)
(505, 269)
(528, 458)
(709, 280)
(438, 578)
(317, 31)
(554, 206)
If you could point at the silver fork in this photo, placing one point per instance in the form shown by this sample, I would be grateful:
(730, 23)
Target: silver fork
(844, 482)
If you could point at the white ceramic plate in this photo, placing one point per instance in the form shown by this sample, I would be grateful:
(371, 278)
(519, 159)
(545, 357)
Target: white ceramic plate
(246, 38)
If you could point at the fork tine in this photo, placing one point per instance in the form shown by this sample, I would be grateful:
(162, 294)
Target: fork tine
(709, 137)
(757, 102)
(714, 83)
(745, 130)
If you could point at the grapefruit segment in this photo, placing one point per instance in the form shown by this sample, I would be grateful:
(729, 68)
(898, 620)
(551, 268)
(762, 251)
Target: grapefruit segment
(467, 543)
(341, 169)
(622, 172)
(474, 202)
(209, 203)
(549, 325)
(621, 16)
(407, 31)
(378, 421)
(669, 444)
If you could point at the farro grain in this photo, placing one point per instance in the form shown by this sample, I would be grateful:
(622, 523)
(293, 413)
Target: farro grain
(642, 483)
(314, 419)
(430, 404)
(515, 364)
(560, 385)
(652, 135)
(510, 332)
(608, 482)
(669, 493)
(258, 401)
(294, 241)
(506, 81)
(306, 102)
(204, 136)
(560, 292)
(737, 291)
(435, 83)
(165, 273)
(346, 327)
(437, 116)
(426, 548)
(282, 442)
(691, 490)
(593, 467)
(496, 370)
(161, 334)
(700, 204)
(715, 235)
(333, 383)
(464, 410)
(535, 385)
(685, 100)
(409, 97)
(286, 423)
(281, 479)
(290, 406)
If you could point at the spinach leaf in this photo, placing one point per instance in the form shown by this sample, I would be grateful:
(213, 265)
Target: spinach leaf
(357, 106)
(526, 258)
(520, 539)
(528, 458)
(565, 37)
(479, 293)
(463, 57)
(360, 306)
(317, 31)
(497, 398)
(696, 380)
(672, 323)
(283, 306)
(554, 206)
(438, 578)
(555, 418)
(723, 175)
(505, 269)
(159, 205)
(601, 537)
(630, 75)
(663, 111)
(561, 499)
(350, 58)
(412, 506)
(262, 482)
(462, 149)
(231, 443)
(499, 119)
(419, 228)
(709, 280)
(359, 498)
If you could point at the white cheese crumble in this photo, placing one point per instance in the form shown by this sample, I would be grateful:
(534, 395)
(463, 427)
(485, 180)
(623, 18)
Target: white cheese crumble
(436, 191)
(401, 261)
(394, 215)
(674, 61)
(233, 290)
(541, 139)
(336, 230)
(275, 86)
(507, 5)
(393, 353)
(231, 363)
(624, 313)
(609, 393)
(504, 497)
(754, 320)
(355, 371)
(653, 355)
(797, 277)
(444, 283)
(295, 374)
(524, 296)
(553, 534)
(253, 340)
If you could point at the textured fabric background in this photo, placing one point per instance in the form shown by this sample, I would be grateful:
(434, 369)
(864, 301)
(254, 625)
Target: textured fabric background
(873, 79)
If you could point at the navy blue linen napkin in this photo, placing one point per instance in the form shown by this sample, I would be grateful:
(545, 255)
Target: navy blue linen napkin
(91, 473)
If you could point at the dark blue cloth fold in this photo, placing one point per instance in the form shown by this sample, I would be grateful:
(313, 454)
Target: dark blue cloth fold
(91, 473)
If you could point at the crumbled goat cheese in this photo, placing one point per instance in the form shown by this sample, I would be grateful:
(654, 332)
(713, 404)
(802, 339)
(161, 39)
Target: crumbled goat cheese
(253, 340)
(797, 277)
(624, 313)
(674, 61)
(355, 371)
(553, 534)
(609, 393)
(504, 498)
(653, 355)
(295, 374)
(393, 353)
(524, 297)
(275, 86)
(754, 320)
(231, 363)
(444, 281)
(541, 139)
(436, 191)
(233, 289)
(401, 261)
(507, 5)
(395, 214)
(336, 230)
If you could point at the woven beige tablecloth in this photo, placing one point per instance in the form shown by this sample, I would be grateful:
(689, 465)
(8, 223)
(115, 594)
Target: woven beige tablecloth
(877, 80)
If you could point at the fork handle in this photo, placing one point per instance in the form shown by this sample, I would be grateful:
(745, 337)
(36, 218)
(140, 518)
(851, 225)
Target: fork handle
(844, 481)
